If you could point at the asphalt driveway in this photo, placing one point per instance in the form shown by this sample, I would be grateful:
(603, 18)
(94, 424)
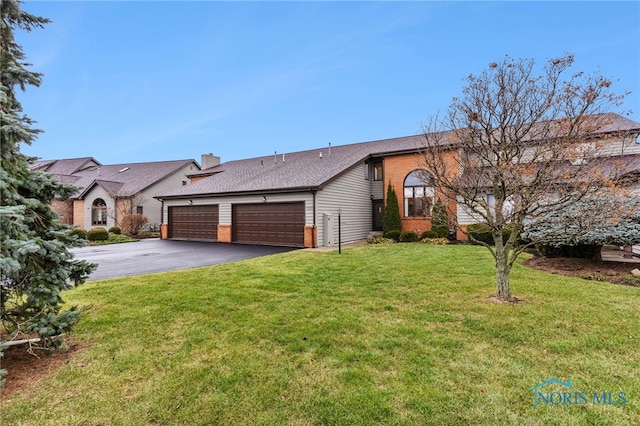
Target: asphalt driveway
(154, 255)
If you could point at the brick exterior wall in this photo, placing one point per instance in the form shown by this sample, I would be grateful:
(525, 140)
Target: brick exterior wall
(396, 169)
(123, 208)
(78, 213)
(64, 209)
(310, 236)
(224, 233)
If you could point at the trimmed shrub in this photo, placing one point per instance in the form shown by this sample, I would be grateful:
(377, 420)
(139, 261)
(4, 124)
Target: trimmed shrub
(80, 233)
(428, 234)
(393, 235)
(97, 234)
(439, 216)
(391, 220)
(115, 230)
(482, 232)
(408, 237)
(441, 231)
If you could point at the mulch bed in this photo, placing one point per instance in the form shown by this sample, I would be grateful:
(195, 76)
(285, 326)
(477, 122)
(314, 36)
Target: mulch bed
(613, 272)
(25, 368)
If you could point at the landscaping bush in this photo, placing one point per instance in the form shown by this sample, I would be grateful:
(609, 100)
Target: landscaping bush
(438, 241)
(381, 240)
(132, 224)
(149, 234)
(391, 220)
(482, 232)
(581, 251)
(97, 234)
(114, 239)
(428, 234)
(115, 230)
(81, 233)
(408, 237)
(441, 231)
(393, 235)
(439, 215)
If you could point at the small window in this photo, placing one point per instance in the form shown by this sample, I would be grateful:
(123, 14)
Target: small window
(138, 209)
(418, 194)
(377, 171)
(99, 212)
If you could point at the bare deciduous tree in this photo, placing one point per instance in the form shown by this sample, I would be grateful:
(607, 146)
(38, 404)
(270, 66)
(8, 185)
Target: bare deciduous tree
(519, 144)
(123, 209)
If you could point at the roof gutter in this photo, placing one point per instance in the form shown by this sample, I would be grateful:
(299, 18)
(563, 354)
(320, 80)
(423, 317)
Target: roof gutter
(230, 194)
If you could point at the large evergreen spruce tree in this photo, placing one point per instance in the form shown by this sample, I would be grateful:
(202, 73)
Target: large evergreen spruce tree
(35, 263)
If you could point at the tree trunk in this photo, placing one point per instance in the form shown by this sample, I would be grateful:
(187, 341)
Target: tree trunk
(503, 292)
(597, 254)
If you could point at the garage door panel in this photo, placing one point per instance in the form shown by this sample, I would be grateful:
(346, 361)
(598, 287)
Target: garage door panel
(274, 223)
(194, 222)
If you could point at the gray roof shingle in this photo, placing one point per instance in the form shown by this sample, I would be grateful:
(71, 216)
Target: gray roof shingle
(305, 170)
(120, 180)
(290, 171)
(67, 166)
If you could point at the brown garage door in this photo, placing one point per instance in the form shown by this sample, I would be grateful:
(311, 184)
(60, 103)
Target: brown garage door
(193, 222)
(274, 224)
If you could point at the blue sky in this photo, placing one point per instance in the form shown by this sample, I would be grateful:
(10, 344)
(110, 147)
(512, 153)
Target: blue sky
(151, 80)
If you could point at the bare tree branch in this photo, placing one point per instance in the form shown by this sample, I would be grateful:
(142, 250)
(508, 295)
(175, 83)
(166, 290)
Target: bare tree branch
(519, 146)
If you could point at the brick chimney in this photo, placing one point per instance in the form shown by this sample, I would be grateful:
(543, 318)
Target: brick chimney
(209, 160)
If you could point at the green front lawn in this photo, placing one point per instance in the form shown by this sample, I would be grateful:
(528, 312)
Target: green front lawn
(381, 334)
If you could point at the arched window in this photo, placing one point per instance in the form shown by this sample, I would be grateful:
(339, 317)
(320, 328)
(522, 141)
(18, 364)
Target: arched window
(418, 194)
(99, 212)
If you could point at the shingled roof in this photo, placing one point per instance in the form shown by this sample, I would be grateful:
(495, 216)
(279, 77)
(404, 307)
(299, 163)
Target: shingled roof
(119, 180)
(312, 169)
(303, 170)
(65, 167)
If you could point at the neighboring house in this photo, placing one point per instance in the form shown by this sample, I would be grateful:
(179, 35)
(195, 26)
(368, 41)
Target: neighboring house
(106, 193)
(296, 198)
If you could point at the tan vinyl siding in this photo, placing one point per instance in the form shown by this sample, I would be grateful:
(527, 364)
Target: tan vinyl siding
(99, 192)
(351, 193)
(151, 207)
(621, 146)
(466, 216)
